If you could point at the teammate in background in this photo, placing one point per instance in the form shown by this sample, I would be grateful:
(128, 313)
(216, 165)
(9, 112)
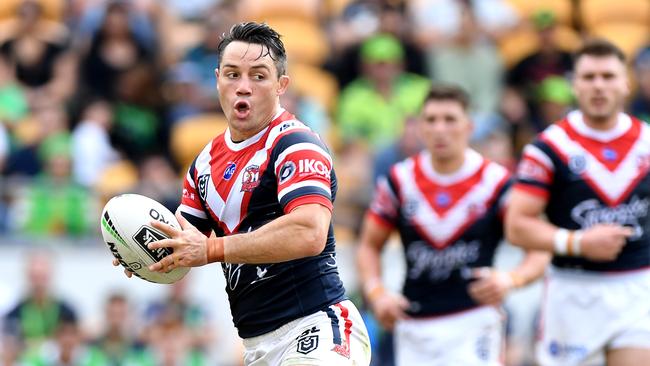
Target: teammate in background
(446, 202)
(265, 188)
(588, 173)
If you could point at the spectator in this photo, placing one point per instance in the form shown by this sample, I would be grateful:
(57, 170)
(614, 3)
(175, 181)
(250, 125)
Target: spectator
(117, 342)
(308, 110)
(4, 145)
(203, 57)
(408, 144)
(66, 349)
(177, 331)
(35, 52)
(159, 181)
(640, 106)
(524, 78)
(139, 126)
(373, 106)
(470, 60)
(554, 98)
(53, 204)
(92, 151)
(37, 316)
(346, 65)
(440, 21)
(113, 50)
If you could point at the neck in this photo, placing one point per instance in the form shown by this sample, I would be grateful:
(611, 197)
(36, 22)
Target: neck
(448, 166)
(239, 136)
(603, 124)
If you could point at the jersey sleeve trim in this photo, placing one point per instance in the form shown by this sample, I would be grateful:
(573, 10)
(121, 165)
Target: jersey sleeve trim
(192, 211)
(307, 183)
(308, 199)
(380, 220)
(532, 189)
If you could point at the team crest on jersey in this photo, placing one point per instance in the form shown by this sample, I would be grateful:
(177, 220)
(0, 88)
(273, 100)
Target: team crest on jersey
(203, 186)
(251, 178)
(577, 164)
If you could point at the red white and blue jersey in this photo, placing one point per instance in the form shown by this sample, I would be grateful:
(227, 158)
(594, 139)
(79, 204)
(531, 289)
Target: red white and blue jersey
(236, 188)
(589, 177)
(448, 224)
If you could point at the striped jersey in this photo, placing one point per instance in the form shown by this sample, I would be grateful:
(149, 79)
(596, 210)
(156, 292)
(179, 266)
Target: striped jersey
(588, 177)
(448, 225)
(236, 188)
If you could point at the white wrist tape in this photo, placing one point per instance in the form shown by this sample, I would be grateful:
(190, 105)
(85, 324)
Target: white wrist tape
(561, 241)
(577, 237)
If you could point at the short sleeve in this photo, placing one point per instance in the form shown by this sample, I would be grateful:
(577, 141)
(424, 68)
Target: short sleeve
(384, 208)
(535, 172)
(191, 206)
(303, 170)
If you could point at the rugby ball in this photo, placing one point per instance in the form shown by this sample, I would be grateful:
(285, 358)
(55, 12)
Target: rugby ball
(126, 229)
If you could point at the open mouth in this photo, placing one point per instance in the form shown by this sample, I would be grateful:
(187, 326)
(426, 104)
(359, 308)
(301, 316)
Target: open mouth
(242, 106)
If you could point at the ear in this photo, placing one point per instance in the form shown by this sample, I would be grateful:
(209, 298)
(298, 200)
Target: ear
(283, 84)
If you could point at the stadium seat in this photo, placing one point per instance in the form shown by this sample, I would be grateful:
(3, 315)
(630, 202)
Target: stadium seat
(305, 41)
(52, 9)
(119, 177)
(190, 135)
(630, 37)
(314, 82)
(334, 8)
(563, 9)
(594, 13)
(516, 45)
(307, 10)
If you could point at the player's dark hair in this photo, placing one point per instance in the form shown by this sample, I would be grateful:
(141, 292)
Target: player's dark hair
(439, 92)
(598, 47)
(257, 33)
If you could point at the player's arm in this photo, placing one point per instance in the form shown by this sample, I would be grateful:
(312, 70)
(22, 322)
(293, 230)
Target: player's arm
(298, 234)
(387, 307)
(303, 170)
(525, 227)
(492, 286)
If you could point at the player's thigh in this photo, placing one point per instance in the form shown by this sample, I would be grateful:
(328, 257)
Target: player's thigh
(336, 336)
(471, 338)
(628, 357)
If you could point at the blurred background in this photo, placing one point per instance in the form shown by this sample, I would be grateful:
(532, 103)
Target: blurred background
(103, 97)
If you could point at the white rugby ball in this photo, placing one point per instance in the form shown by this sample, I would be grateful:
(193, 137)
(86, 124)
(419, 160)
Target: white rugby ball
(126, 230)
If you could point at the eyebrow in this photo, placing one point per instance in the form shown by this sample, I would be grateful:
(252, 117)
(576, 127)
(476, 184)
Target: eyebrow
(261, 66)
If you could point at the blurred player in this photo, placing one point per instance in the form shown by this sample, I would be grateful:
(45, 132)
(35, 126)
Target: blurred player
(588, 174)
(265, 188)
(446, 202)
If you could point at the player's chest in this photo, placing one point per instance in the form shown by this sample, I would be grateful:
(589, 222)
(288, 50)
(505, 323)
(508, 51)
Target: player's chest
(611, 172)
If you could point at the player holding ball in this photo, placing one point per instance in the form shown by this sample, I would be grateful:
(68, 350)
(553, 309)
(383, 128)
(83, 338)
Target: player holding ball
(258, 200)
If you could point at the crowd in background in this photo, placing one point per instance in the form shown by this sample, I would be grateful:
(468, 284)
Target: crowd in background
(103, 97)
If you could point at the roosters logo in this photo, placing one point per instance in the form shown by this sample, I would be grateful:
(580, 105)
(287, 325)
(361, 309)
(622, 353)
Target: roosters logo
(250, 178)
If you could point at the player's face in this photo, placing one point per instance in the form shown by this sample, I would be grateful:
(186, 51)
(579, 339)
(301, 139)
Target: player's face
(600, 85)
(445, 128)
(249, 88)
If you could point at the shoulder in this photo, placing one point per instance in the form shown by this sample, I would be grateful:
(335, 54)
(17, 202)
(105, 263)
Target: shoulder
(295, 134)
